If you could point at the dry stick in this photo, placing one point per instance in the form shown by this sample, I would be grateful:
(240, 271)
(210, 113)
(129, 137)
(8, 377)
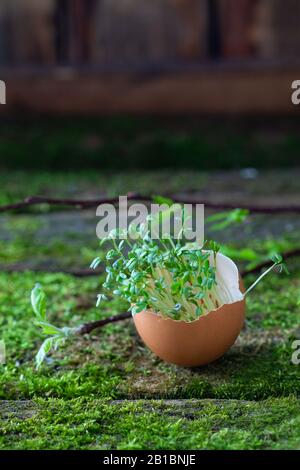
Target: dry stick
(86, 328)
(96, 272)
(89, 203)
(85, 272)
(258, 209)
(76, 203)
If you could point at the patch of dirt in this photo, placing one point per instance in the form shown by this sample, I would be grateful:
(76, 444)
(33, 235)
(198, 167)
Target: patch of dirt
(21, 409)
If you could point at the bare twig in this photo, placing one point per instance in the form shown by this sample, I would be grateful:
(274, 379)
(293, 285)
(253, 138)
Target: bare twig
(258, 209)
(86, 328)
(96, 272)
(131, 196)
(75, 203)
(19, 268)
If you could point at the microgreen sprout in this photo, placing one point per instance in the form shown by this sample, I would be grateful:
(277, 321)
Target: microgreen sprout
(277, 264)
(163, 275)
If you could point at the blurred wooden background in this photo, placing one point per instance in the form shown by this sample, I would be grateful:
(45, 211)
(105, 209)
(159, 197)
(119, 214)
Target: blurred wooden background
(118, 44)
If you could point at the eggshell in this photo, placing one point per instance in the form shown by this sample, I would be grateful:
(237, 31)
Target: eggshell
(192, 343)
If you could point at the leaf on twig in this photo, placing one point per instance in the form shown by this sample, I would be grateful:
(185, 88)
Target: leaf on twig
(38, 302)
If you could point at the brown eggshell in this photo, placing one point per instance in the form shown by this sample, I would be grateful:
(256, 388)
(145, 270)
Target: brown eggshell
(195, 343)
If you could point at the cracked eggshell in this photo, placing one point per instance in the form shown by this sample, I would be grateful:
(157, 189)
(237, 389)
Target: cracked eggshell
(203, 340)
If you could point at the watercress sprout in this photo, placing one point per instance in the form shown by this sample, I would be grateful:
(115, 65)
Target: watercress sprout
(164, 275)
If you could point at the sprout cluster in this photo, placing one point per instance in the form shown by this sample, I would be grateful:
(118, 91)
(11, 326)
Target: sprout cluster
(163, 275)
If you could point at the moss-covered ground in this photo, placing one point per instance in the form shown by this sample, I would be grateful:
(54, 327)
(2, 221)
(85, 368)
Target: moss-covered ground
(192, 424)
(107, 390)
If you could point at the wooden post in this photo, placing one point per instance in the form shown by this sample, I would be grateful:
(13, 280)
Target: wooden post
(81, 14)
(193, 16)
(32, 32)
(236, 24)
(277, 32)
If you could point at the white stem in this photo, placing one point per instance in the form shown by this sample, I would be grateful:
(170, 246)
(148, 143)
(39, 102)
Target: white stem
(260, 278)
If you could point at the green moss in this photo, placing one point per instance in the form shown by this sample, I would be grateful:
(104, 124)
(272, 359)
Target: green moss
(200, 424)
(113, 363)
(16, 185)
(57, 254)
(275, 302)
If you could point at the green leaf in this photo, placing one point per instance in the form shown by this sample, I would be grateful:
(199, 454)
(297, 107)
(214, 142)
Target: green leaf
(121, 244)
(162, 200)
(48, 345)
(276, 258)
(38, 302)
(43, 351)
(198, 311)
(95, 263)
(111, 254)
(284, 268)
(225, 219)
(100, 297)
(49, 329)
(175, 287)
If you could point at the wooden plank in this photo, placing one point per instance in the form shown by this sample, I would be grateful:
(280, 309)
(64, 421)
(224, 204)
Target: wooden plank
(236, 25)
(212, 90)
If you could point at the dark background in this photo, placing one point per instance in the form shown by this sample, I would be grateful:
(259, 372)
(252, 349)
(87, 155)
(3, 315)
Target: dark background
(118, 84)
